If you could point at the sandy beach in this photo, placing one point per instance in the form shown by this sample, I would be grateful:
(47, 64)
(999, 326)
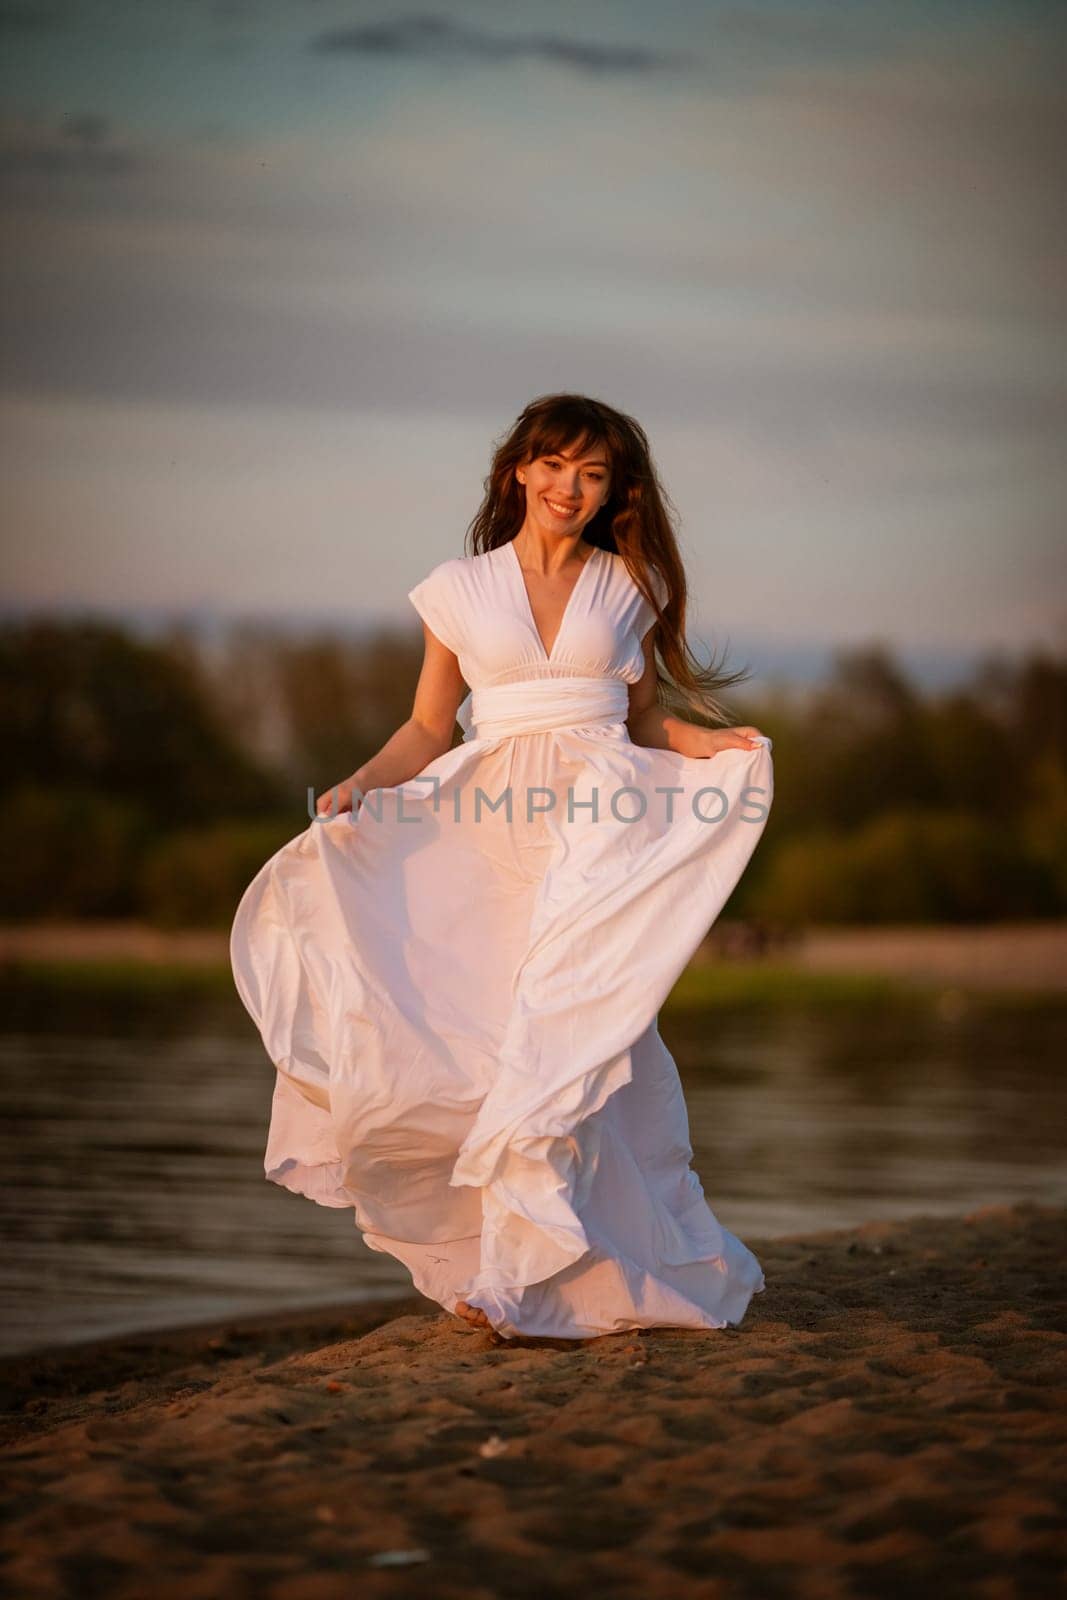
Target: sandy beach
(888, 1420)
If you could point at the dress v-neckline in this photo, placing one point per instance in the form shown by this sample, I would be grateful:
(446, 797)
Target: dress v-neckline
(548, 654)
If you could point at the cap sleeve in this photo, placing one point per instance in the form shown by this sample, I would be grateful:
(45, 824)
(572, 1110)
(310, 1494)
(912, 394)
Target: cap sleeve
(434, 600)
(646, 617)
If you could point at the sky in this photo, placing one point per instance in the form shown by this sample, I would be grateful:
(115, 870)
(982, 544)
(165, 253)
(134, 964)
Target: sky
(277, 276)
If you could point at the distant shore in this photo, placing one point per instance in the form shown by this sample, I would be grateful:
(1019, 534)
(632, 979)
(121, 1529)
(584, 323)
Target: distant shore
(886, 1419)
(1001, 959)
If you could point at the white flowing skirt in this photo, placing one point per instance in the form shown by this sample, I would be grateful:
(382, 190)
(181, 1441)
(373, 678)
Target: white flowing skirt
(461, 1007)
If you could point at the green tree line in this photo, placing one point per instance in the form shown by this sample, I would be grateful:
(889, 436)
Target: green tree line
(152, 778)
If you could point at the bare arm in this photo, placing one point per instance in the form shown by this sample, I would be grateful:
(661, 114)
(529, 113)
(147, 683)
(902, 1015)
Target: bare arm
(650, 725)
(425, 735)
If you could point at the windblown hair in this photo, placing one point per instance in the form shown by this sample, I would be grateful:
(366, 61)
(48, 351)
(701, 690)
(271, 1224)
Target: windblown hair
(633, 522)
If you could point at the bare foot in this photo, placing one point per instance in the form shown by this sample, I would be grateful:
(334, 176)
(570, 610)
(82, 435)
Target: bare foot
(472, 1314)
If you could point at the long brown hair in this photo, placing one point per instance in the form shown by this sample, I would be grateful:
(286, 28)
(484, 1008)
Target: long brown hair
(634, 522)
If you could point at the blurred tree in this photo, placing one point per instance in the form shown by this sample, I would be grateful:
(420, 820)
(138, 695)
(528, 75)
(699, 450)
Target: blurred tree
(195, 877)
(318, 706)
(859, 746)
(85, 704)
(1040, 695)
(908, 866)
(1044, 820)
(70, 852)
(158, 776)
(970, 754)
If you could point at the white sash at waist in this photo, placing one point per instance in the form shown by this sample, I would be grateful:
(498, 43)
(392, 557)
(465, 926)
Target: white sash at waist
(498, 710)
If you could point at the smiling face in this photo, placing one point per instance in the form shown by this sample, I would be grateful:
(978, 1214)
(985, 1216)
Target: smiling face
(565, 490)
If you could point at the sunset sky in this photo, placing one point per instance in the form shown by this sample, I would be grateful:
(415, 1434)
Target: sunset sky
(276, 275)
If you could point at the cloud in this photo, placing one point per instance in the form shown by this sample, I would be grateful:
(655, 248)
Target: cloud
(49, 16)
(130, 318)
(30, 16)
(83, 145)
(440, 38)
(856, 245)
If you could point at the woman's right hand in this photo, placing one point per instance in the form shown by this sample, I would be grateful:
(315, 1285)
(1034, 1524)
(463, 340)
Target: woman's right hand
(339, 798)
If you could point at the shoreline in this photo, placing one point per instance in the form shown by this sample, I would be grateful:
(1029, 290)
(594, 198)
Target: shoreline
(892, 1402)
(285, 1327)
(948, 965)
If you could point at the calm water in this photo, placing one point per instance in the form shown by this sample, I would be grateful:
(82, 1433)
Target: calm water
(133, 1131)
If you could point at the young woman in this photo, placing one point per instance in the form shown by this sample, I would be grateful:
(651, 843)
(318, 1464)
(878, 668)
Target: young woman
(457, 967)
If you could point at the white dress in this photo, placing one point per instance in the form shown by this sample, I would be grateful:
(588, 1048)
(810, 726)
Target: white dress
(462, 1006)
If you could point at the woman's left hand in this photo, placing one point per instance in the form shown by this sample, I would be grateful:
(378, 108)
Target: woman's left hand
(710, 741)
